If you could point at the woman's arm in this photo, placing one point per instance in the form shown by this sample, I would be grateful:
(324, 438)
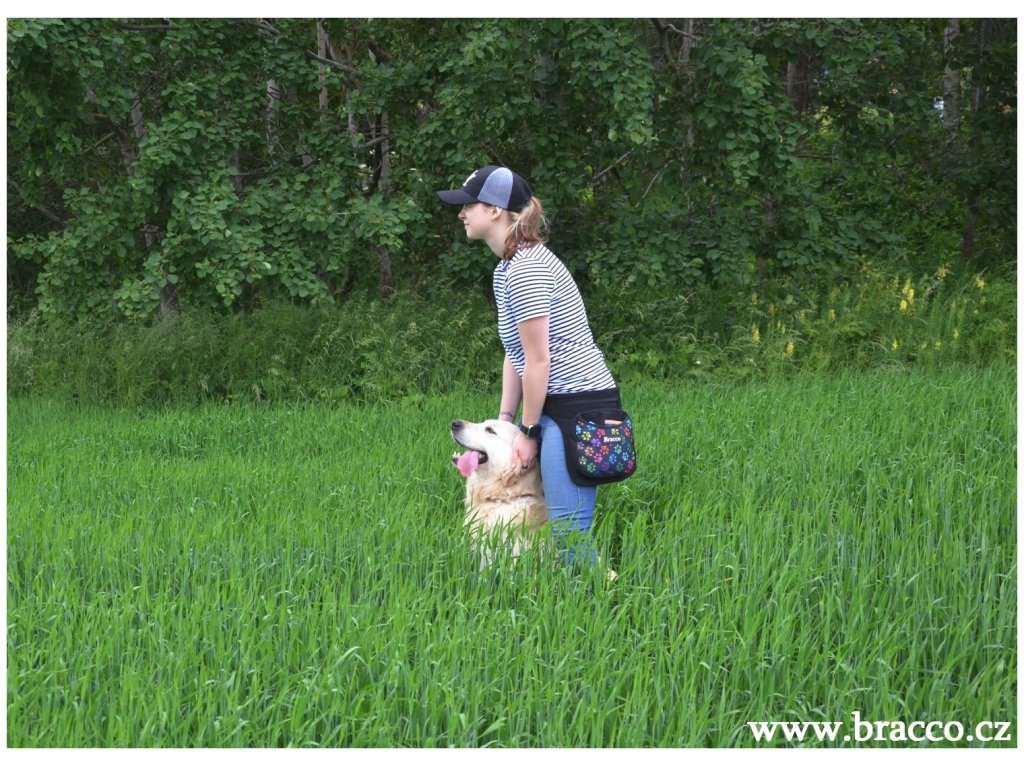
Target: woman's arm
(511, 391)
(533, 334)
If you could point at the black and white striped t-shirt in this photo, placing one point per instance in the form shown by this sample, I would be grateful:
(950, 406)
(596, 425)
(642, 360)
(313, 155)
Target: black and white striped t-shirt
(535, 283)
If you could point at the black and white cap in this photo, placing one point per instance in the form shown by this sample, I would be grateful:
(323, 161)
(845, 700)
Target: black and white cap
(493, 185)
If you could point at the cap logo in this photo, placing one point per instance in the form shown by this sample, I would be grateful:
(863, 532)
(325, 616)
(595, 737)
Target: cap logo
(471, 177)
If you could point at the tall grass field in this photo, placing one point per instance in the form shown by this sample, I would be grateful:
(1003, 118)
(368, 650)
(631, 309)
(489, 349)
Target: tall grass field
(247, 576)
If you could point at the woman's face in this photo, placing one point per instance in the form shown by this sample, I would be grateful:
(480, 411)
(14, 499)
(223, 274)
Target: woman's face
(477, 219)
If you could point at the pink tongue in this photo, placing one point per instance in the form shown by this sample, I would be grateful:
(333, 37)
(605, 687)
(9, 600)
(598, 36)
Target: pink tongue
(468, 463)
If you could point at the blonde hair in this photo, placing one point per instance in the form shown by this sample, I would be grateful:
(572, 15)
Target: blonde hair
(529, 227)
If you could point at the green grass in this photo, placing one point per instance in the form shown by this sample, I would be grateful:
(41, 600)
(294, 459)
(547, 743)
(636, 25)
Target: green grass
(247, 576)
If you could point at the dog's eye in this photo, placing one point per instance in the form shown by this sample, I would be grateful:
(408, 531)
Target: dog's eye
(490, 430)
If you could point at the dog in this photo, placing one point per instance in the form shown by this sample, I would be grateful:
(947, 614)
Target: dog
(504, 504)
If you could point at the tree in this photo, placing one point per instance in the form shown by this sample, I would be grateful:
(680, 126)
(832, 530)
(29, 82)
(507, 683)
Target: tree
(159, 165)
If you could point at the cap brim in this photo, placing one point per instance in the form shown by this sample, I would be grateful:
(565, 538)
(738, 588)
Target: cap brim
(456, 197)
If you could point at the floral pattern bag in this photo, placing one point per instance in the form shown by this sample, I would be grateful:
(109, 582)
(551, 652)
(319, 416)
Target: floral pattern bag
(603, 450)
(597, 435)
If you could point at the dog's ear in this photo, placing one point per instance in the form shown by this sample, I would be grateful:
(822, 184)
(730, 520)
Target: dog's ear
(508, 476)
(511, 476)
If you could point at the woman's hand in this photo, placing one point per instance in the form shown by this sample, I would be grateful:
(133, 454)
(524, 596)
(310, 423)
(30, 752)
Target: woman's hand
(524, 453)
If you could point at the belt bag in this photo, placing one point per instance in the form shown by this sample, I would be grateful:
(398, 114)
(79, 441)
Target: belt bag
(597, 434)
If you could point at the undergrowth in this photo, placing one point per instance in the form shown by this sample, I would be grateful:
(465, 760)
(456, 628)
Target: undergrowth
(371, 351)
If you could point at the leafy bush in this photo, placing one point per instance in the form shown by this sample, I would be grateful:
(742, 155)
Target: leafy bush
(364, 350)
(211, 164)
(876, 316)
(371, 351)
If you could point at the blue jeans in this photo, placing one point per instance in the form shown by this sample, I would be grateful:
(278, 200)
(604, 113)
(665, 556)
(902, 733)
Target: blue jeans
(570, 506)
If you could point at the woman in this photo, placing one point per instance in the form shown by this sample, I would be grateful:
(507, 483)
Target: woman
(550, 354)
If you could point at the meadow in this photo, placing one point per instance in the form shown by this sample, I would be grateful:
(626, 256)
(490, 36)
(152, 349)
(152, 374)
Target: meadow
(254, 575)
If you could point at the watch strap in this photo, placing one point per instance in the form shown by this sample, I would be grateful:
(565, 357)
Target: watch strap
(532, 431)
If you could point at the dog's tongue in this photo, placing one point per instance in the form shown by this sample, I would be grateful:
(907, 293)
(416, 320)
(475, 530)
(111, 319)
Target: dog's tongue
(468, 462)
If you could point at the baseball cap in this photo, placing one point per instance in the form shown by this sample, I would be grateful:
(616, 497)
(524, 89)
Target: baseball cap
(493, 185)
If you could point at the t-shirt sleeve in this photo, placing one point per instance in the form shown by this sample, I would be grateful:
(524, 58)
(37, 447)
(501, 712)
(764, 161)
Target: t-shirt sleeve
(530, 288)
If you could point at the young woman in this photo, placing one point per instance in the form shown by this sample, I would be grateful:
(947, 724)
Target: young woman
(552, 364)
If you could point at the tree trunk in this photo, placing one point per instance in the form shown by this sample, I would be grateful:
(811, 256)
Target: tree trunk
(323, 46)
(950, 78)
(129, 143)
(387, 278)
(799, 73)
(985, 29)
(270, 115)
(169, 305)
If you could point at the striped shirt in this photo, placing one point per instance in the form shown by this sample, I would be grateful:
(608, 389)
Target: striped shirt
(534, 283)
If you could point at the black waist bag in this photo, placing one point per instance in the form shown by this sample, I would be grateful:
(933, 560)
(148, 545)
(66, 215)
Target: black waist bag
(597, 433)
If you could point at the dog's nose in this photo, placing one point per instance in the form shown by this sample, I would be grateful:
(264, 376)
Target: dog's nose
(457, 425)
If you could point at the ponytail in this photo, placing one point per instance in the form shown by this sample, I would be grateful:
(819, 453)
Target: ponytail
(529, 227)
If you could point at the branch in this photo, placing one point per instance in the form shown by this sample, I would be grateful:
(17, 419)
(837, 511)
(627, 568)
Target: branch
(147, 27)
(611, 167)
(333, 64)
(265, 26)
(38, 206)
(373, 142)
(653, 180)
(673, 28)
(101, 141)
(815, 156)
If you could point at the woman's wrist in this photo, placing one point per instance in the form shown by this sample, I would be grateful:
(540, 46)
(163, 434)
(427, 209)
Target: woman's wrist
(506, 416)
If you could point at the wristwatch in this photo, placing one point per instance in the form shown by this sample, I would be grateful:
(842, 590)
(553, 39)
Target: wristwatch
(532, 431)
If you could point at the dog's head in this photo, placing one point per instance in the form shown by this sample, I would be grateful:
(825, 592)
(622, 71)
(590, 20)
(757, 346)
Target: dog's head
(497, 493)
(488, 446)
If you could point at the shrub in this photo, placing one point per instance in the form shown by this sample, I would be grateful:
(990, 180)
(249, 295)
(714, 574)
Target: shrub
(412, 346)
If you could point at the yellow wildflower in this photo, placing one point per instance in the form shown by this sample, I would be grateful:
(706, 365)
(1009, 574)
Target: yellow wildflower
(753, 300)
(943, 271)
(895, 345)
(903, 305)
(803, 315)
(831, 314)
(956, 333)
(756, 333)
(771, 310)
(908, 292)
(790, 349)
(938, 345)
(980, 283)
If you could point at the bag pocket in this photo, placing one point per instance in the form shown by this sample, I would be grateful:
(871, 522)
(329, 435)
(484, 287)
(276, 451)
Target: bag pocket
(602, 448)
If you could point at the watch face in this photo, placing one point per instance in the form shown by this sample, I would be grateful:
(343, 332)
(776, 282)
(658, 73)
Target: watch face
(532, 431)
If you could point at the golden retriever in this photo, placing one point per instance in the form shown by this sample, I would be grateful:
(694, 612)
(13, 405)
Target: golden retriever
(502, 502)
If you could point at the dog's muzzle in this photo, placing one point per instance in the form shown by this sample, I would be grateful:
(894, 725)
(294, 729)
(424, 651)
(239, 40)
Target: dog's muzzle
(458, 427)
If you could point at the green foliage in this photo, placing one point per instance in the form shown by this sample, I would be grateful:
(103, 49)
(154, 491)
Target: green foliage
(875, 317)
(418, 346)
(222, 164)
(365, 350)
(257, 576)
